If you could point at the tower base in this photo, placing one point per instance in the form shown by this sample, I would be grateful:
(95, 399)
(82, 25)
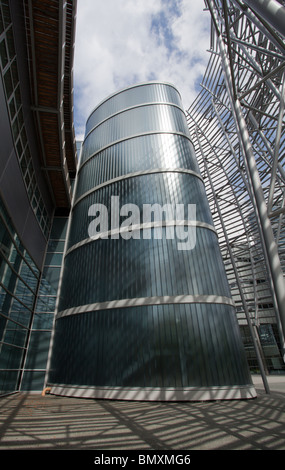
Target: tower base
(238, 392)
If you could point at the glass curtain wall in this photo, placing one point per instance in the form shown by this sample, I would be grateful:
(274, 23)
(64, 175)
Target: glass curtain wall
(144, 310)
(19, 279)
(27, 306)
(11, 83)
(34, 371)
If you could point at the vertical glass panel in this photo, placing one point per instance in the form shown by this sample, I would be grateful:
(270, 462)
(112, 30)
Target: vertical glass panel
(3, 54)
(43, 322)
(137, 154)
(150, 93)
(156, 346)
(59, 227)
(8, 381)
(141, 268)
(33, 380)
(10, 42)
(10, 357)
(54, 259)
(1, 23)
(158, 188)
(8, 83)
(164, 345)
(14, 71)
(38, 350)
(6, 13)
(135, 121)
(14, 334)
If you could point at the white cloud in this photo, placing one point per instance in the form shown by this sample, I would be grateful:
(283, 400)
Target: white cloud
(119, 43)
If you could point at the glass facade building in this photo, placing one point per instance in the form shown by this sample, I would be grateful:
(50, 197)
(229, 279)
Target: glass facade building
(161, 262)
(144, 310)
(37, 166)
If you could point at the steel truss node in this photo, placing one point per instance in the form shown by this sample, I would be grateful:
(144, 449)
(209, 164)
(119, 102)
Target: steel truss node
(237, 127)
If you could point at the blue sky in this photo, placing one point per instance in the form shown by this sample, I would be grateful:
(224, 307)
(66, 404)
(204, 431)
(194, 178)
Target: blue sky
(123, 42)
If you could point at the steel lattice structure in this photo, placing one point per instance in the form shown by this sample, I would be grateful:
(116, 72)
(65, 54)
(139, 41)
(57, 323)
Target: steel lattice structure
(237, 126)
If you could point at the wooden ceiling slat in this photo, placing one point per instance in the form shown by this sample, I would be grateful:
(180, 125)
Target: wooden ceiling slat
(45, 38)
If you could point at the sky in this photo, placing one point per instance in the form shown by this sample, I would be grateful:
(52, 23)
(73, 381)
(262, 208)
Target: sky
(123, 42)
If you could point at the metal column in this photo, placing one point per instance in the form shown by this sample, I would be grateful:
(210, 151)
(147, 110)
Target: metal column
(270, 244)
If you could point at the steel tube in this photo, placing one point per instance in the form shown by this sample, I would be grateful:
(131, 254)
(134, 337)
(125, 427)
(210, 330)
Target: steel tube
(271, 11)
(246, 311)
(270, 244)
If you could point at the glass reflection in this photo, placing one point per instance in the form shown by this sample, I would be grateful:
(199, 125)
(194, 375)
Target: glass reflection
(175, 345)
(153, 93)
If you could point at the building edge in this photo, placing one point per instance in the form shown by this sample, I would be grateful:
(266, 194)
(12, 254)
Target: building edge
(157, 393)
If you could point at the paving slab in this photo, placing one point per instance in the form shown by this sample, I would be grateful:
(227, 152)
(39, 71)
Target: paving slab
(35, 422)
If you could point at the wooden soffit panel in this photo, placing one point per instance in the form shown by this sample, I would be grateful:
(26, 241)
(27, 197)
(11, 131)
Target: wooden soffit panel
(50, 29)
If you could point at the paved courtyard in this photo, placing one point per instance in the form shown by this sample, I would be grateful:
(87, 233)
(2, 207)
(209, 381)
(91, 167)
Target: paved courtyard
(30, 422)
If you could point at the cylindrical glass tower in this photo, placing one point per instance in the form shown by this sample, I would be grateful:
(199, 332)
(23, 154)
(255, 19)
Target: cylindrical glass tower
(145, 310)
